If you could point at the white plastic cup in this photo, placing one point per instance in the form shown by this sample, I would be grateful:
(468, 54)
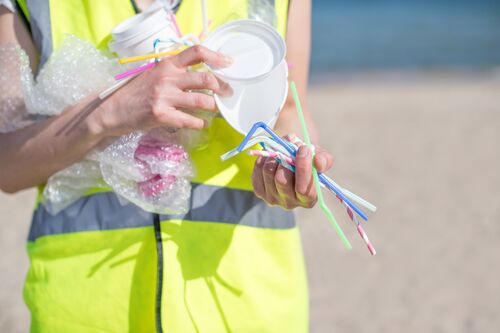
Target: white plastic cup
(258, 75)
(255, 47)
(136, 35)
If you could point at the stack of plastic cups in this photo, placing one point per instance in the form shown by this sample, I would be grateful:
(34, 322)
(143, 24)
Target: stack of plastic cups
(136, 35)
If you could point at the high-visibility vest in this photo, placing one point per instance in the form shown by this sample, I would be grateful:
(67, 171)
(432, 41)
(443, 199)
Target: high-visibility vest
(231, 264)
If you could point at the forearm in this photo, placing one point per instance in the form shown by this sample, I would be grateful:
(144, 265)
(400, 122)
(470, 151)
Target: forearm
(298, 42)
(29, 156)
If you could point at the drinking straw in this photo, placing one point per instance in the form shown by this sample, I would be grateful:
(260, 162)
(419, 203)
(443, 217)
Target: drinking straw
(202, 34)
(289, 163)
(136, 70)
(360, 229)
(147, 56)
(355, 197)
(273, 154)
(204, 15)
(173, 19)
(175, 40)
(104, 94)
(252, 142)
(288, 159)
(321, 200)
(292, 150)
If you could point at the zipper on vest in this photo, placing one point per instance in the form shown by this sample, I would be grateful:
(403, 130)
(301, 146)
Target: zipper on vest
(159, 277)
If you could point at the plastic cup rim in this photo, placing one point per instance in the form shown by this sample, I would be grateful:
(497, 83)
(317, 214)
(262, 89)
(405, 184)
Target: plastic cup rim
(254, 23)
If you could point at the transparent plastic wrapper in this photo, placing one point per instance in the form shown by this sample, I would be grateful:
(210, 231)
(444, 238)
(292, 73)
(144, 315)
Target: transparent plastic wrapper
(13, 113)
(66, 186)
(151, 170)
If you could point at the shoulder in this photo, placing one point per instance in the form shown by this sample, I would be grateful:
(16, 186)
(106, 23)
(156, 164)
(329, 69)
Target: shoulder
(9, 4)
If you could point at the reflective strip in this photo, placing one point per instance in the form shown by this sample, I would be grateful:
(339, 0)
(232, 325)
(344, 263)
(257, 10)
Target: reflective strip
(103, 211)
(41, 32)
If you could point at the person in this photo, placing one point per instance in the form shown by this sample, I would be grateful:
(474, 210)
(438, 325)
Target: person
(233, 263)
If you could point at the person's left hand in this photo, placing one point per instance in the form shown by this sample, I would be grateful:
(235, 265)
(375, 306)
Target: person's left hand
(277, 185)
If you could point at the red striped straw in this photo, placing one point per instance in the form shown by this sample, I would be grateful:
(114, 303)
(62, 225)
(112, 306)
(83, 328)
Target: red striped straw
(359, 227)
(273, 154)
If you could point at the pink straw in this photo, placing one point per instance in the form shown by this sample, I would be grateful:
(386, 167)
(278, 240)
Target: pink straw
(135, 71)
(202, 34)
(267, 153)
(173, 19)
(360, 229)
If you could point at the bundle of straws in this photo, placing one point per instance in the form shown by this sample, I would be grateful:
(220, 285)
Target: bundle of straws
(284, 152)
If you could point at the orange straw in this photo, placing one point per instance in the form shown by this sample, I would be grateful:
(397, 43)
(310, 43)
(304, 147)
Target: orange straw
(148, 56)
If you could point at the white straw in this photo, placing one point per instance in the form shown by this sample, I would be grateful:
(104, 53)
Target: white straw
(115, 87)
(204, 15)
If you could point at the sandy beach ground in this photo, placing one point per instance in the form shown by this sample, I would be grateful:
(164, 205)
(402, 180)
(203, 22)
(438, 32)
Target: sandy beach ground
(425, 149)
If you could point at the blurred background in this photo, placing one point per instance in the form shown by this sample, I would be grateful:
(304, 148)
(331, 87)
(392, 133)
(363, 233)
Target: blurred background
(407, 97)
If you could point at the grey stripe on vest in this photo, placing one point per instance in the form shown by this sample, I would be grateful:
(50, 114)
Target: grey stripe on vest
(40, 27)
(102, 211)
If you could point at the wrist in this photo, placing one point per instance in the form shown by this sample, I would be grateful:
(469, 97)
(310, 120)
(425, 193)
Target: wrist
(96, 122)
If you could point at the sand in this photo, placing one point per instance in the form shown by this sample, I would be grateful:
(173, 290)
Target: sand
(426, 150)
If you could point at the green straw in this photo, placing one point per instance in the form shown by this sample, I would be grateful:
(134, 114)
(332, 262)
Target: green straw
(321, 200)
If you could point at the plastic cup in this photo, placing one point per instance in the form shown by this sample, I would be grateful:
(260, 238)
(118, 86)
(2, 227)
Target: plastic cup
(258, 75)
(136, 35)
(255, 47)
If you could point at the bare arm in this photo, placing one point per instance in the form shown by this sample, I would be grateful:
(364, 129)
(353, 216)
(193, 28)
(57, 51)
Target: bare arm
(298, 41)
(272, 182)
(29, 156)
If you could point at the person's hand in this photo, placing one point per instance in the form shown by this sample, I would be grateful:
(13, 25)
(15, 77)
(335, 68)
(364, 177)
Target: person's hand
(158, 96)
(278, 186)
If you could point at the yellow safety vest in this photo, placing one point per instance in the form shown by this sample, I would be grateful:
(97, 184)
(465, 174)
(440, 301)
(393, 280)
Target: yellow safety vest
(231, 264)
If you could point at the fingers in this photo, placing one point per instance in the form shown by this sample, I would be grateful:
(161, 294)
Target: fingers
(304, 186)
(278, 186)
(268, 171)
(198, 54)
(180, 119)
(193, 100)
(197, 80)
(284, 181)
(258, 178)
(203, 80)
(323, 161)
(303, 170)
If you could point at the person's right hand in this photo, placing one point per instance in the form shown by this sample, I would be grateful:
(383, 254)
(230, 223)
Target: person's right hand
(158, 96)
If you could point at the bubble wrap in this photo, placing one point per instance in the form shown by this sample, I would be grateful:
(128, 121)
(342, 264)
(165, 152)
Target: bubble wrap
(13, 113)
(151, 170)
(75, 71)
(66, 186)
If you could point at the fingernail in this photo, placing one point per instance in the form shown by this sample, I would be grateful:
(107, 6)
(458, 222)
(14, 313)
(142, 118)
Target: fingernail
(303, 151)
(225, 89)
(227, 60)
(321, 161)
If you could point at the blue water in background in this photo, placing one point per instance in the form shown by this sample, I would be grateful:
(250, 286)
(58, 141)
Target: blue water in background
(354, 36)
